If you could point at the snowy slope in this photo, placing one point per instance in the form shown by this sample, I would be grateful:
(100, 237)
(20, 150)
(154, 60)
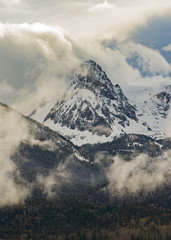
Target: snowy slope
(94, 110)
(155, 111)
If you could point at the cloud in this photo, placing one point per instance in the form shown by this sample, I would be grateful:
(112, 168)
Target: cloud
(101, 6)
(116, 21)
(128, 64)
(140, 173)
(10, 2)
(113, 61)
(109, 19)
(34, 61)
(149, 61)
(167, 48)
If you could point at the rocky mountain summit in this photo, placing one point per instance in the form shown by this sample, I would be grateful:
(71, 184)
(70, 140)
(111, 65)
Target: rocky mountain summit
(94, 110)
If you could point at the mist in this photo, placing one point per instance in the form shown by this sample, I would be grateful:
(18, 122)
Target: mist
(13, 130)
(14, 186)
(51, 183)
(140, 173)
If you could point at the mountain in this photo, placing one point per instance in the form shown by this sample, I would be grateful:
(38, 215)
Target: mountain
(74, 189)
(42, 159)
(93, 110)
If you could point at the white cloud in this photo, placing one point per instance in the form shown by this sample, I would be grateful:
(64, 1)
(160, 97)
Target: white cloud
(115, 63)
(109, 19)
(167, 48)
(150, 61)
(101, 6)
(33, 63)
(10, 2)
(112, 61)
(116, 21)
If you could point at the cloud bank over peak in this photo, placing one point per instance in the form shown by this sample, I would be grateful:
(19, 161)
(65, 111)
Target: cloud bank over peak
(36, 60)
(41, 42)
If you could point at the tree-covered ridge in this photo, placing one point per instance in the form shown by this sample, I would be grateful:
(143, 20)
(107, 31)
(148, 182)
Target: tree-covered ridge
(71, 219)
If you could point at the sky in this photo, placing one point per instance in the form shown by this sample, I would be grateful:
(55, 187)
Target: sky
(42, 41)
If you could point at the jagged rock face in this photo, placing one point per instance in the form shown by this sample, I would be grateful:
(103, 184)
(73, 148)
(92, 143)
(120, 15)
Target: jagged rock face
(92, 102)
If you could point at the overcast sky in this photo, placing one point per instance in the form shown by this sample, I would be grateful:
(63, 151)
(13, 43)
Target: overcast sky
(41, 41)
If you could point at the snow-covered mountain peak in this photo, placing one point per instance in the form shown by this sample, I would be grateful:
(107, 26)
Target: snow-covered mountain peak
(92, 109)
(91, 76)
(88, 69)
